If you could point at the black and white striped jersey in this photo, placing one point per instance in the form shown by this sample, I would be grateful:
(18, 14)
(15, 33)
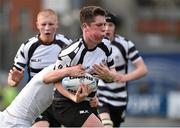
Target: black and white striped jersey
(78, 53)
(37, 55)
(115, 94)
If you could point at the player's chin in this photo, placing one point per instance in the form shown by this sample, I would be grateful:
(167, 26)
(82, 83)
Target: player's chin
(99, 38)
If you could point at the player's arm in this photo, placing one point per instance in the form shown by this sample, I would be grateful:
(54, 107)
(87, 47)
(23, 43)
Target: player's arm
(104, 72)
(57, 75)
(111, 75)
(139, 71)
(16, 73)
(78, 96)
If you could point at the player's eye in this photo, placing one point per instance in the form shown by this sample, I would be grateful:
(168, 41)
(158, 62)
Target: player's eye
(43, 24)
(50, 24)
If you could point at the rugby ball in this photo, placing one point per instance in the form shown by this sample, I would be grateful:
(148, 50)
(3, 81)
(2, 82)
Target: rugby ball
(73, 83)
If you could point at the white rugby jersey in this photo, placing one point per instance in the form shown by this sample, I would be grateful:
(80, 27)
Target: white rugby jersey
(116, 93)
(78, 53)
(37, 55)
(33, 99)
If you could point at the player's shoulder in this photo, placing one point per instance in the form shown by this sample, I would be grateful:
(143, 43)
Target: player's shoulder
(31, 40)
(122, 40)
(63, 38)
(73, 47)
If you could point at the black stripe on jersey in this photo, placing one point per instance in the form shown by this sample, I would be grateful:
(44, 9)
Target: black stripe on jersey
(134, 57)
(21, 64)
(105, 49)
(22, 54)
(33, 70)
(82, 56)
(60, 43)
(30, 53)
(121, 49)
(109, 64)
(119, 68)
(123, 52)
(72, 55)
(32, 49)
(110, 98)
(19, 69)
(116, 90)
(131, 50)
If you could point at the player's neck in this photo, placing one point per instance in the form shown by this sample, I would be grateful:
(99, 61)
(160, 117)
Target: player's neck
(90, 43)
(46, 40)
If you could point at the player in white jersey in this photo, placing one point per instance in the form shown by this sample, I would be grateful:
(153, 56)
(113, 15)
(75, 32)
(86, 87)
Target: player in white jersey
(35, 97)
(113, 97)
(39, 52)
(69, 109)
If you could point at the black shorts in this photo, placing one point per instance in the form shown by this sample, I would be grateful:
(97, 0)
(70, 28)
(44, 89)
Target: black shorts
(47, 115)
(72, 114)
(116, 113)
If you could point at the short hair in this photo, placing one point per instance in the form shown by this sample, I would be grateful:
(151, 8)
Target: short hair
(47, 12)
(88, 13)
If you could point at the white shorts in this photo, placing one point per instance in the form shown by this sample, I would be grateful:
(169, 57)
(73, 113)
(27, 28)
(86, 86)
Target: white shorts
(8, 121)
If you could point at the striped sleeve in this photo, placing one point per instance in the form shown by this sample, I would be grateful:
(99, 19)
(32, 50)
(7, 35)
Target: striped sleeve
(21, 58)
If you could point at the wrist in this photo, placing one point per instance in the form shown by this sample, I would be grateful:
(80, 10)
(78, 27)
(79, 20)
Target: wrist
(67, 72)
(110, 79)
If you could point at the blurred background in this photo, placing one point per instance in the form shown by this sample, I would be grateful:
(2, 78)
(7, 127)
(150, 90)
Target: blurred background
(153, 25)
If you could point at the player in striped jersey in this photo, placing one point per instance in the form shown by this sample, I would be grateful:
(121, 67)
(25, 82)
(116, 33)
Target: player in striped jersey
(113, 97)
(39, 51)
(69, 109)
(35, 97)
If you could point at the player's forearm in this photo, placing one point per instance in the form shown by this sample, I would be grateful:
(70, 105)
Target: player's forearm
(136, 74)
(140, 71)
(64, 92)
(57, 75)
(54, 76)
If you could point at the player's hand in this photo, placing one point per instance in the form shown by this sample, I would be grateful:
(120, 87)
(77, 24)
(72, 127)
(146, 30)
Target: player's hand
(77, 70)
(94, 101)
(16, 75)
(104, 72)
(81, 93)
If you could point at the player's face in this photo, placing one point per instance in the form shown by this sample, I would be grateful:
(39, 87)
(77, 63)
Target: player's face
(47, 26)
(95, 31)
(110, 30)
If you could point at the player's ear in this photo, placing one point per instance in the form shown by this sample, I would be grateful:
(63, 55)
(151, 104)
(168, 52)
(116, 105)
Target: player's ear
(83, 26)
